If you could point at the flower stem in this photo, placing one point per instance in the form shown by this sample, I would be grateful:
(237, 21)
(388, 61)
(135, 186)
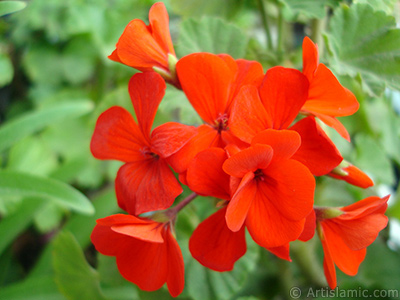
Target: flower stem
(304, 256)
(280, 44)
(264, 19)
(317, 26)
(286, 278)
(172, 212)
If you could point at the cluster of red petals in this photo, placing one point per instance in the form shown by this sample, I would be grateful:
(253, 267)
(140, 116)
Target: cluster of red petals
(345, 237)
(327, 98)
(144, 47)
(211, 83)
(146, 251)
(258, 151)
(145, 182)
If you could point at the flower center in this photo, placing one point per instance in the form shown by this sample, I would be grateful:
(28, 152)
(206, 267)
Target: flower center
(221, 123)
(146, 152)
(259, 175)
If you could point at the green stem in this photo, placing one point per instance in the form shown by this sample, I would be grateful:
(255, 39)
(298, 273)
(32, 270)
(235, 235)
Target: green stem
(264, 19)
(317, 27)
(286, 278)
(280, 44)
(172, 212)
(304, 255)
(99, 87)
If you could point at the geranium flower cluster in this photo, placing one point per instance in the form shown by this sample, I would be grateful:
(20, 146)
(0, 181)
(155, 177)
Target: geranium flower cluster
(258, 151)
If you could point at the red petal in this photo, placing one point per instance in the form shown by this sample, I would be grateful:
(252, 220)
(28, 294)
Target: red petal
(137, 48)
(249, 73)
(229, 138)
(146, 232)
(329, 265)
(230, 62)
(317, 151)
(117, 136)
(284, 142)
(248, 115)
(205, 175)
(146, 91)
(310, 58)
(206, 137)
(283, 92)
(215, 246)
(206, 80)
(121, 219)
(346, 259)
(176, 268)
(114, 56)
(364, 207)
(281, 252)
(143, 229)
(170, 137)
(327, 96)
(146, 186)
(241, 202)
(309, 227)
(143, 263)
(249, 160)
(268, 226)
(159, 22)
(358, 233)
(335, 124)
(106, 241)
(289, 186)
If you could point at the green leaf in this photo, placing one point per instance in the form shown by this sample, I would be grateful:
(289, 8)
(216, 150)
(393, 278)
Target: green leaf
(22, 184)
(372, 159)
(385, 274)
(32, 122)
(78, 60)
(386, 124)
(12, 225)
(309, 8)
(39, 64)
(80, 226)
(212, 35)
(49, 217)
(366, 42)
(44, 289)
(10, 269)
(31, 155)
(8, 7)
(75, 278)
(387, 6)
(195, 8)
(6, 69)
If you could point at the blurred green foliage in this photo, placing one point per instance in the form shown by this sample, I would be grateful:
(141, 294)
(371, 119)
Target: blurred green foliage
(55, 80)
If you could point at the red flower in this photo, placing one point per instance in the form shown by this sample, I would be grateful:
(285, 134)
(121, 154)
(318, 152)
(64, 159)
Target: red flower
(273, 192)
(347, 231)
(146, 251)
(145, 183)
(327, 98)
(276, 104)
(211, 83)
(145, 47)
